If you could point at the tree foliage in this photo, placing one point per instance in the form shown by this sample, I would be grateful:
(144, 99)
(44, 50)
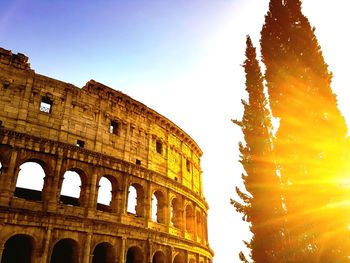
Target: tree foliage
(303, 213)
(262, 206)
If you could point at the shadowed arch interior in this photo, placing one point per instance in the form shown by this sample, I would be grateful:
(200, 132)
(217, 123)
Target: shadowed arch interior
(158, 257)
(18, 248)
(179, 259)
(65, 251)
(103, 253)
(134, 255)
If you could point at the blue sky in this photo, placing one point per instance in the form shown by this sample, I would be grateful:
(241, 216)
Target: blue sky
(115, 42)
(181, 58)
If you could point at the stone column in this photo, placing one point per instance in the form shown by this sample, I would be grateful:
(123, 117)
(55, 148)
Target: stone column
(167, 212)
(1, 252)
(88, 195)
(87, 249)
(114, 200)
(120, 201)
(45, 254)
(52, 192)
(8, 174)
(195, 227)
(92, 191)
(122, 254)
(125, 196)
(150, 251)
(147, 203)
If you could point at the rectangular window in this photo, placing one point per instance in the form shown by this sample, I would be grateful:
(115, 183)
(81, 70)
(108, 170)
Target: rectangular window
(46, 105)
(114, 127)
(80, 143)
(138, 162)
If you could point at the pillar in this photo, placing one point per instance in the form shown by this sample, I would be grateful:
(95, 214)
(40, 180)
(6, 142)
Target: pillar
(8, 174)
(45, 254)
(87, 249)
(122, 254)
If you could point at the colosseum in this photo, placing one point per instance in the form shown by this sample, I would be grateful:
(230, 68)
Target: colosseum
(156, 211)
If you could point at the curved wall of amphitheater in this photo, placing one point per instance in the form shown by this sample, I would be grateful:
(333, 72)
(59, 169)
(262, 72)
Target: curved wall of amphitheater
(96, 132)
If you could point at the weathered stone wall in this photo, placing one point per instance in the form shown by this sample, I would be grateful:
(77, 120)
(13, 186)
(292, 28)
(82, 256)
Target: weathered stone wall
(96, 132)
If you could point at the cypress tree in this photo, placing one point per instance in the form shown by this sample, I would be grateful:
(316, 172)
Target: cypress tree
(310, 138)
(262, 207)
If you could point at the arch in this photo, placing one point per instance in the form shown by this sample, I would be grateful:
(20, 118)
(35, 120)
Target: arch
(134, 255)
(179, 258)
(30, 180)
(135, 204)
(103, 253)
(104, 196)
(176, 213)
(189, 219)
(65, 250)
(158, 207)
(158, 257)
(71, 187)
(18, 248)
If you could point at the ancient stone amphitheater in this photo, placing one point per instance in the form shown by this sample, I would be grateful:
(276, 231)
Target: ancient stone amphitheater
(95, 133)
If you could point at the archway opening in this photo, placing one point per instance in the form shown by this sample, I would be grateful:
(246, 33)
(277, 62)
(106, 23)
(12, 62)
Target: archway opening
(103, 253)
(190, 219)
(104, 197)
(179, 259)
(134, 255)
(30, 181)
(135, 200)
(158, 257)
(158, 207)
(70, 191)
(65, 250)
(18, 248)
(175, 213)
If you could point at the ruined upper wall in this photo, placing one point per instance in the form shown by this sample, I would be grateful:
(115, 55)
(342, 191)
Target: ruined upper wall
(97, 118)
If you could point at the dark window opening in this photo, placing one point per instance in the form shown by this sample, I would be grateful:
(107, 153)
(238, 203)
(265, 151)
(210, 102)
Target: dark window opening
(188, 165)
(6, 84)
(1, 124)
(80, 143)
(138, 162)
(175, 178)
(159, 147)
(114, 127)
(46, 105)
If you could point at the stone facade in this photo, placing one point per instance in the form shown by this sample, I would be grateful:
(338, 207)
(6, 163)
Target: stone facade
(96, 132)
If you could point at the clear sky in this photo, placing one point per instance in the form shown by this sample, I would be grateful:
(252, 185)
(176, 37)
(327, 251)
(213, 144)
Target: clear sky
(181, 58)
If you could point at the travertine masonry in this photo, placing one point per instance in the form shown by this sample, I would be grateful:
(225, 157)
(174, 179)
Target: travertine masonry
(96, 132)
